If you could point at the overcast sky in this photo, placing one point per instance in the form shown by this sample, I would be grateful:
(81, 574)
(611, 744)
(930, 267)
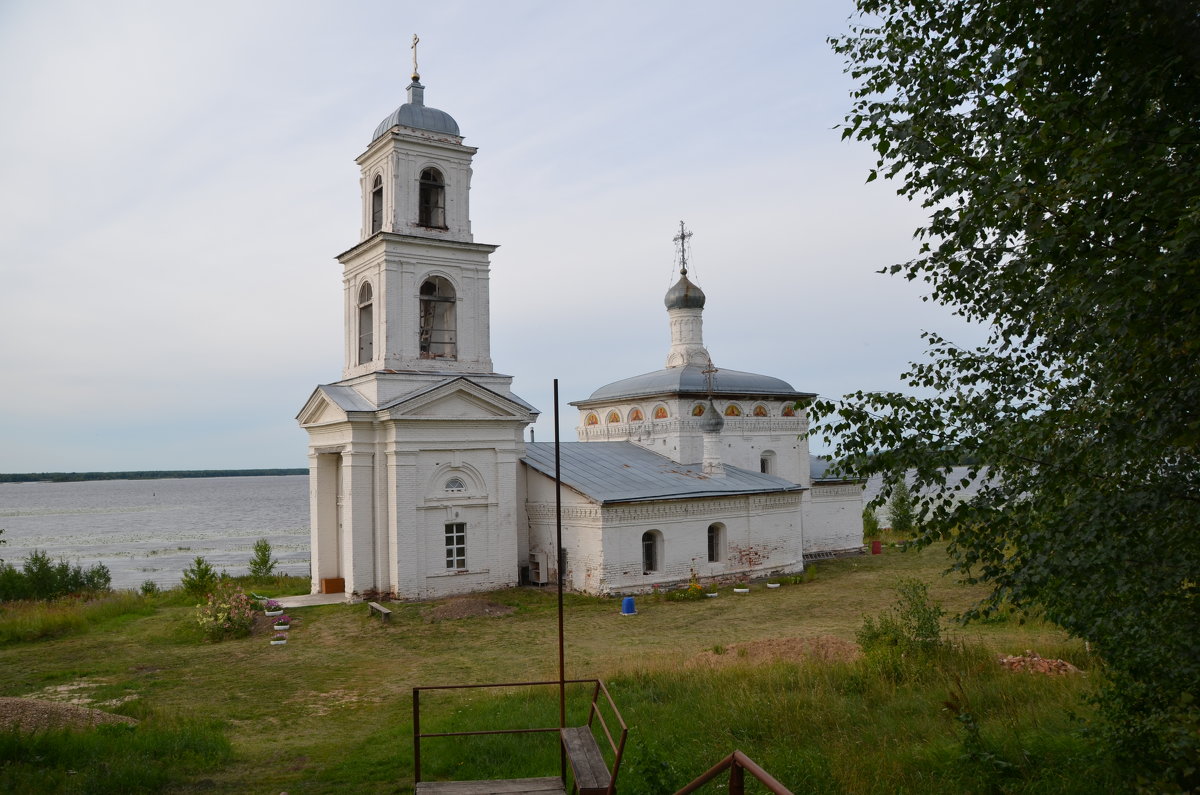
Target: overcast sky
(177, 178)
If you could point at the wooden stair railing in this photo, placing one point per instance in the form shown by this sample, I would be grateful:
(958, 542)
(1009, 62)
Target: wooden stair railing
(737, 764)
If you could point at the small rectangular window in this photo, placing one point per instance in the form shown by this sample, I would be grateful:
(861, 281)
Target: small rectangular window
(456, 545)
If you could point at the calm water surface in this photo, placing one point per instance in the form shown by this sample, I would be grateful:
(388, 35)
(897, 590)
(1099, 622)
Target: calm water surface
(153, 529)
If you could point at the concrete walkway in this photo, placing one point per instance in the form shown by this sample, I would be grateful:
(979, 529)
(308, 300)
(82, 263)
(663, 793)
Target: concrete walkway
(311, 599)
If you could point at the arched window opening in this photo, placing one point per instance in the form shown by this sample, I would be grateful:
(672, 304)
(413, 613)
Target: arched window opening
(651, 551)
(612, 417)
(377, 205)
(789, 410)
(591, 419)
(766, 462)
(438, 334)
(660, 413)
(366, 324)
(432, 200)
(760, 410)
(636, 415)
(733, 410)
(698, 410)
(716, 543)
(455, 486)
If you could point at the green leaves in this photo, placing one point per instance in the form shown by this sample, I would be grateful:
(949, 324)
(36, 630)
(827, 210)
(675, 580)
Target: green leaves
(1057, 148)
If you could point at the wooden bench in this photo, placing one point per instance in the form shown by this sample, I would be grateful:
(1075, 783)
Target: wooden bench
(383, 612)
(591, 773)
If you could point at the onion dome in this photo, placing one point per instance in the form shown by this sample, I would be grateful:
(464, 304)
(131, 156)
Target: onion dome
(684, 295)
(713, 422)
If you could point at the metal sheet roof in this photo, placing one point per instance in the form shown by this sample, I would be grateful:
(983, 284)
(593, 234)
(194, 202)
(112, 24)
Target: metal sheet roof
(346, 398)
(623, 472)
(425, 390)
(691, 380)
(415, 113)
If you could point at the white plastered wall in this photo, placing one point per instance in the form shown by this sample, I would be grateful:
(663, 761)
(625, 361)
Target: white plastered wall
(833, 518)
(763, 535)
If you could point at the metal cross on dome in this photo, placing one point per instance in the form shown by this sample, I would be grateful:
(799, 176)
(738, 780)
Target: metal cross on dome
(416, 76)
(682, 239)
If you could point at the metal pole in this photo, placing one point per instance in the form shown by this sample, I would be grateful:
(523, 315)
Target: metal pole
(737, 779)
(416, 735)
(562, 665)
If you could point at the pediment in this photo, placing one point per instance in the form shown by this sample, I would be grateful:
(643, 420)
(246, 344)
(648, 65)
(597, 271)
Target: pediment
(459, 399)
(329, 404)
(319, 412)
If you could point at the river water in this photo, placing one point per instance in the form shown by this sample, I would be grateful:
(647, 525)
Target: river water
(153, 529)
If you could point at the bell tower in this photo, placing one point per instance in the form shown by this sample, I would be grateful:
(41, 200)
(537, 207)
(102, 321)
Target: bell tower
(416, 284)
(414, 455)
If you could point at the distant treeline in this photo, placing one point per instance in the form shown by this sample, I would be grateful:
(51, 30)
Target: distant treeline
(67, 477)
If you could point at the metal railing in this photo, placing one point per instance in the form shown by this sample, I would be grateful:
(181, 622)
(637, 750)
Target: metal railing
(617, 745)
(737, 764)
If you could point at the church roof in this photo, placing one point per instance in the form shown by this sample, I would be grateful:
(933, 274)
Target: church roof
(415, 113)
(692, 380)
(346, 398)
(623, 472)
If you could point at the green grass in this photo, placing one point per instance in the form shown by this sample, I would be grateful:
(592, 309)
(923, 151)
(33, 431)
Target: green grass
(110, 759)
(28, 621)
(331, 711)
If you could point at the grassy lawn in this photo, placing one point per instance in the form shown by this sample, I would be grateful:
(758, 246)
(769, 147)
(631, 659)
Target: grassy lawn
(331, 710)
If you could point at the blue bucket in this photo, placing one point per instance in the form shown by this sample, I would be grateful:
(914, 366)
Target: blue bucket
(627, 608)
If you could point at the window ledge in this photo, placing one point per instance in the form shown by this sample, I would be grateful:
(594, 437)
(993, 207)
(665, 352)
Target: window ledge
(460, 572)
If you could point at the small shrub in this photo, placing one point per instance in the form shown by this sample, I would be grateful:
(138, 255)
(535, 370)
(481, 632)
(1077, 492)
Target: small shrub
(900, 510)
(41, 578)
(228, 613)
(150, 588)
(690, 593)
(914, 624)
(870, 524)
(262, 564)
(199, 579)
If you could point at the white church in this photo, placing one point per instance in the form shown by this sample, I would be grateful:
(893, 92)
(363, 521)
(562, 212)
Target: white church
(421, 482)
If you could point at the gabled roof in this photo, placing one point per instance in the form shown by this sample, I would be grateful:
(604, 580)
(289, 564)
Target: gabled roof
(459, 382)
(457, 397)
(609, 472)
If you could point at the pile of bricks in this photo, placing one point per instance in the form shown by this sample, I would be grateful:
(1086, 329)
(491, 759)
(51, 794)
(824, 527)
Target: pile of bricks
(1033, 663)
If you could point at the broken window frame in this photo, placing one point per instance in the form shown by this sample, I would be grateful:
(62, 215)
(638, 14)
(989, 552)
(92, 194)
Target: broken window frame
(437, 332)
(431, 200)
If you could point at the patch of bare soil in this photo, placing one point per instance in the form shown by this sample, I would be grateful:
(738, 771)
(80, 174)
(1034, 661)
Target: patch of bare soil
(323, 703)
(467, 607)
(822, 648)
(31, 714)
(1033, 663)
